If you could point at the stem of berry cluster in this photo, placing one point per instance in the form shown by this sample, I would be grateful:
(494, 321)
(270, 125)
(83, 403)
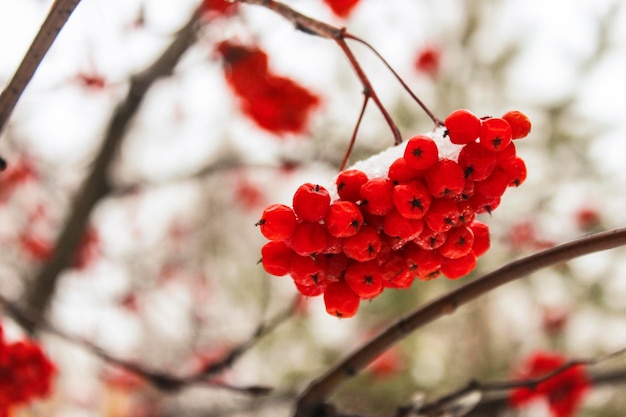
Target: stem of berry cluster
(344, 162)
(320, 389)
(58, 15)
(339, 35)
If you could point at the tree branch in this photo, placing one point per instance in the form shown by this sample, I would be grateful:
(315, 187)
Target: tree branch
(55, 20)
(320, 389)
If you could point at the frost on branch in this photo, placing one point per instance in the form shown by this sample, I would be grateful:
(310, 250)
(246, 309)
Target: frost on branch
(406, 213)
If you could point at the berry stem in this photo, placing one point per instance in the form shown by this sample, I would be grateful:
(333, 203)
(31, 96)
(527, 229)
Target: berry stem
(344, 162)
(320, 389)
(430, 114)
(59, 13)
(316, 27)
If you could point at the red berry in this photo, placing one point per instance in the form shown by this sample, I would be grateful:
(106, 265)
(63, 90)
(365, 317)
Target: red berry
(340, 300)
(463, 127)
(349, 184)
(483, 204)
(429, 239)
(459, 267)
(310, 202)
(396, 225)
(400, 171)
(376, 196)
(443, 215)
(421, 152)
(277, 258)
(520, 124)
(494, 185)
(365, 279)
(308, 271)
(364, 246)
(422, 263)
(412, 200)
(506, 154)
(312, 290)
(466, 212)
(445, 179)
(337, 265)
(277, 222)
(481, 237)
(459, 242)
(476, 161)
(343, 218)
(395, 271)
(515, 170)
(309, 238)
(334, 245)
(495, 134)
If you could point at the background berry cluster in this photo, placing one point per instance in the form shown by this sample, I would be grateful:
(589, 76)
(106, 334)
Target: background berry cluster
(415, 219)
(25, 373)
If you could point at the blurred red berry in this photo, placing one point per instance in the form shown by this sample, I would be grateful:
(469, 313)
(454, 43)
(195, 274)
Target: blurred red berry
(428, 61)
(342, 8)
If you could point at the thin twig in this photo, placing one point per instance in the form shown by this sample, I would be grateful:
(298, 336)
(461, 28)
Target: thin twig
(58, 15)
(344, 162)
(41, 289)
(320, 389)
(414, 96)
(324, 30)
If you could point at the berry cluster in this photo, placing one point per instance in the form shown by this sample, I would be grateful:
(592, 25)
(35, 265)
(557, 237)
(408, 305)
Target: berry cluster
(412, 219)
(25, 373)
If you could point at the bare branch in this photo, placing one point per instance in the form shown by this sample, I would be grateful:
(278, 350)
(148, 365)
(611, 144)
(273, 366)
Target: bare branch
(320, 389)
(58, 15)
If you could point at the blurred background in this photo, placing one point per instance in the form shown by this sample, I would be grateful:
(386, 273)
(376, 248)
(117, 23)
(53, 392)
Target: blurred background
(166, 274)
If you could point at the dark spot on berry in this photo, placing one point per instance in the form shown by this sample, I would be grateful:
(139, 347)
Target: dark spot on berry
(417, 152)
(416, 203)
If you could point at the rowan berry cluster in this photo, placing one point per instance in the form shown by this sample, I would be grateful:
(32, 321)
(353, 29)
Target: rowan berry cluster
(405, 214)
(25, 373)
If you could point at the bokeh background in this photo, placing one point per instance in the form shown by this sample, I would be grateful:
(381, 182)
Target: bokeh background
(171, 280)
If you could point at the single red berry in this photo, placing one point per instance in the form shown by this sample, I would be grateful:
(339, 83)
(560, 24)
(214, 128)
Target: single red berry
(376, 196)
(400, 172)
(340, 300)
(310, 202)
(482, 240)
(483, 204)
(445, 179)
(412, 200)
(459, 267)
(337, 265)
(349, 184)
(278, 222)
(308, 271)
(396, 225)
(495, 134)
(423, 263)
(442, 215)
(463, 126)
(343, 218)
(395, 271)
(506, 154)
(276, 258)
(430, 240)
(364, 246)
(309, 238)
(421, 152)
(466, 212)
(365, 279)
(312, 290)
(476, 161)
(494, 185)
(515, 170)
(459, 242)
(519, 122)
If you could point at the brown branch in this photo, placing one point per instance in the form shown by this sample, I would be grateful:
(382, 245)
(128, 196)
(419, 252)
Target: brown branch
(40, 291)
(346, 156)
(324, 30)
(58, 15)
(320, 389)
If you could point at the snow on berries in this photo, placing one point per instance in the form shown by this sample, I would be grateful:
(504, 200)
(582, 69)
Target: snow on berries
(405, 214)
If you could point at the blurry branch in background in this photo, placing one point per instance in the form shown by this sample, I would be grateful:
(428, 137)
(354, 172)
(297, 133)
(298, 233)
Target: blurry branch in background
(322, 388)
(163, 381)
(96, 186)
(477, 389)
(58, 15)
